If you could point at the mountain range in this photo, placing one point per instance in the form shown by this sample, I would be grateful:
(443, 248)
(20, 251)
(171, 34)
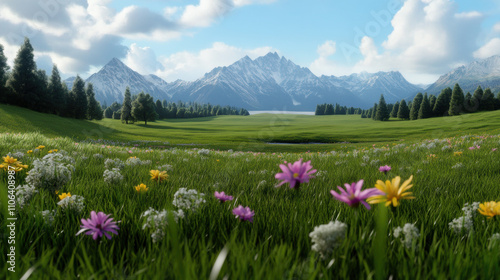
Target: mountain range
(272, 82)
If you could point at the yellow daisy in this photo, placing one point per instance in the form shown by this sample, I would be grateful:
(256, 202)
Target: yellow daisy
(489, 209)
(13, 163)
(157, 175)
(393, 192)
(64, 195)
(141, 188)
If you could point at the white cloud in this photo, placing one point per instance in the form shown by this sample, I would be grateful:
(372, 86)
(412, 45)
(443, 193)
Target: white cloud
(142, 60)
(496, 27)
(326, 49)
(249, 2)
(205, 13)
(191, 66)
(324, 65)
(489, 49)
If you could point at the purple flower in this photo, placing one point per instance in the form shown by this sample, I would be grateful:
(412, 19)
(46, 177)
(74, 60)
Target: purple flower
(98, 224)
(353, 195)
(222, 197)
(244, 213)
(295, 174)
(384, 168)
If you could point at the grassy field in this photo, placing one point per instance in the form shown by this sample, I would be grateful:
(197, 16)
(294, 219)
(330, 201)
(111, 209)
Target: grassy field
(210, 243)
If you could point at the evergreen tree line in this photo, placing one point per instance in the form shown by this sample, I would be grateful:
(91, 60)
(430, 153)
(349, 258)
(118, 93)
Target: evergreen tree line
(142, 107)
(448, 103)
(330, 109)
(29, 87)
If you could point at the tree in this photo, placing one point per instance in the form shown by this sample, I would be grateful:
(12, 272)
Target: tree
(488, 101)
(497, 101)
(143, 108)
(468, 103)
(94, 111)
(127, 106)
(42, 83)
(382, 113)
(442, 104)
(108, 113)
(320, 110)
(374, 111)
(56, 92)
(329, 109)
(159, 109)
(432, 101)
(395, 110)
(79, 98)
(415, 106)
(23, 78)
(476, 100)
(3, 76)
(457, 101)
(425, 110)
(404, 111)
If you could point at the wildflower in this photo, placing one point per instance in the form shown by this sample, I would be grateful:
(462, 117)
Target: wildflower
(72, 203)
(407, 234)
(188, 200)
(326, 238)
(157, 175)
(489, 209)
(29, 151)
(48, 217)
(462, 224)
(295, 174)
(114, 163)
(222, 197)
(158, 221)
(112, 176)
(244, 213)
(40, 147)
(24, 194)
(141, 188)
(457, 165)
(393, 192)
(384, 168)
(51, 172)
(64, 195)
(352, 195)
(13, 163)
(457, 153)
(98, 225)
(494, 149)
(494, 241)
(204, 152)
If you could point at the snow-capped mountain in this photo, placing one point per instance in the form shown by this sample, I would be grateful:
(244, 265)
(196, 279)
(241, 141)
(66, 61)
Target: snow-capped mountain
(485, 72)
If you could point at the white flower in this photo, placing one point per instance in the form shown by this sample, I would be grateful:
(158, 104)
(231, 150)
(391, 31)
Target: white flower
(458, 165)
(98, 156)
(24, 194)
(204, 152)
(18, 155)
(326, 238)
(112, 176)
(462, 224)
(262, 183)
(72, 203)
(366, 158)
(374, 162)
(408, 234)
(134, 161)
(51, 172)
(188, 200)
(165, 167)
(494, 241)
(157, 221)
(111, 163)
(48, 216)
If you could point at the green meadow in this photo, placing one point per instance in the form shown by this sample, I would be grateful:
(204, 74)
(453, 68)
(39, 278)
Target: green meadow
(454, 162)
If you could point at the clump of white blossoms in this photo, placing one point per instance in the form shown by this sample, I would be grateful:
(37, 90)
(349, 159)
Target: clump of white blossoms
(51, 172)
(112, 176)
(465, 223)
(494, 241)
(458, 165)
(24, 194)
(157, 221)
(408, 234)
(18, 155)
(114, 163)
(72, 203)
(98, 156)
(48, 217)
(326, 238)
(135, 161)
(188, 200)
(165, 167)
(204, 152)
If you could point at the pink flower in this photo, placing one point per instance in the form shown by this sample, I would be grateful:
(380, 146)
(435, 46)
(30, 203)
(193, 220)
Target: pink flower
(352, 195)
(222, 197)
(244, 213)
(494, 149)
(384, 168)
(98, 224)
(295, 174)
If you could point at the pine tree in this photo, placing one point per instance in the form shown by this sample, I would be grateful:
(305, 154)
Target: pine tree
(127, 106)
(374, 111)
(159, 109)
(457, 101)
(468, 103)
(4, 98)
(143, 108)
(108, 113)
(79, 98)
(488, 102)
(404, 111)
(41, 91)
(415, 106)
(442, 104)
(432, 102)
(382, 113)
(23, 78)
(320, 110)
(425, 110)
(329, 109)
(497, 101)
(94, 111)
(476, 100)
(56, 93)
(395, 109)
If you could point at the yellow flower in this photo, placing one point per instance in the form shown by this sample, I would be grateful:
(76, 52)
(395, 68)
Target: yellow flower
(57, 192)
(457, 153)
(141, 188)
(64, 195)
(132, 157)
(41, 147)
(432, 156)
(30, 151)
(489, 209)
(50, 152)
(13, 162)
(393, 192)
(157, 175)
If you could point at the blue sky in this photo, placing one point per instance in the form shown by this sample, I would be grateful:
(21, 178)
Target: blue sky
(177, 39)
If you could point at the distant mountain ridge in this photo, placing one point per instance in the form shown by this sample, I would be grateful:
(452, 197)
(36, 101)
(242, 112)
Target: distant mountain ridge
(268, 82)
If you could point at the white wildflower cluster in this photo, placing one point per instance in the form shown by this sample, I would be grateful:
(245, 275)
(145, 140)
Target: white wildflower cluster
(157, 221)
(457, 166)
(98, 156)
(262, 184)
(321, 173)
(112, 176)
(366, 158)
(399, 146)
(465, 223)
(326, 238)
(135, 161)
(72, 203)
(24, 194)
(165, 167)
(408, 235)
(375, 162)
(17, 155)
(251, 172)
(204, 152)
(188, 200)
(48, 217)
(494, 241)
(446, 147)
(114, 163)
(51, 172)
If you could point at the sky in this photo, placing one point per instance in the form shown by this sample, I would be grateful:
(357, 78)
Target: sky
(177, 39)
